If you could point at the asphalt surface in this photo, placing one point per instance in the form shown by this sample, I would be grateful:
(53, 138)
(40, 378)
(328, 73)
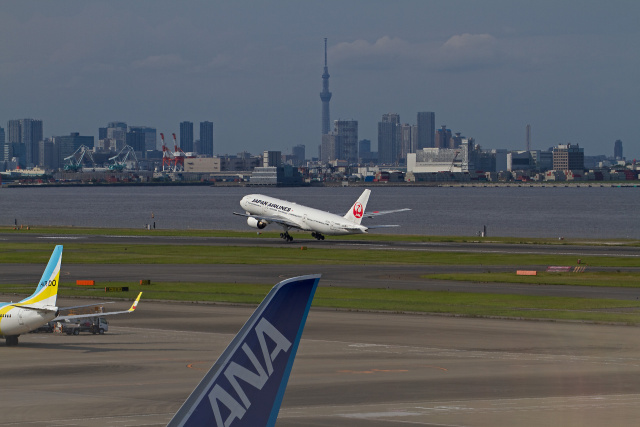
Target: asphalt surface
(352, 369)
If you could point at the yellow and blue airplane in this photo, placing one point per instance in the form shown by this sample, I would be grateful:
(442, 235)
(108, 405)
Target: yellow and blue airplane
(39, 308)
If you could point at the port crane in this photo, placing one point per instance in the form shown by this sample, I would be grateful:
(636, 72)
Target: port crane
(127, 154)
(78, 158)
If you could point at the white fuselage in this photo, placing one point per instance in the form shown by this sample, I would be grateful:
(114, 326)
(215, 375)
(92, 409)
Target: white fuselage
(305, 218)
(17, 321)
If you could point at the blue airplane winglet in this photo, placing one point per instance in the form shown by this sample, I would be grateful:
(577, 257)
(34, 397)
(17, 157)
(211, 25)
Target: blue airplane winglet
(246, 385)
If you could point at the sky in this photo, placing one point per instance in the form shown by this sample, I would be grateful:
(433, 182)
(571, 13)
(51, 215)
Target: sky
(569, 68)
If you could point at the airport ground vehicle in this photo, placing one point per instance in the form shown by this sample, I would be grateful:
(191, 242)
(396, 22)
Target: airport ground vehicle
(95, 325)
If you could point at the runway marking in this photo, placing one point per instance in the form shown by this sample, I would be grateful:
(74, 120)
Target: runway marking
(372, 371)
(63, 237)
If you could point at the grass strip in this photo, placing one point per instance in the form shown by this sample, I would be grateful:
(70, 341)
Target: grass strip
(602, 279)
(302, 236)
(455, 303)
(93, 253)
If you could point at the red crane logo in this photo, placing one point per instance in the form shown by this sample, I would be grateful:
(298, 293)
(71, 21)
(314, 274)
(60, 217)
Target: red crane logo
(357, 210)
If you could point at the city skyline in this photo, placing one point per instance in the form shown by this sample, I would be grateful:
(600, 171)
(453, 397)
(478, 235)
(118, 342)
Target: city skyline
(486, 69)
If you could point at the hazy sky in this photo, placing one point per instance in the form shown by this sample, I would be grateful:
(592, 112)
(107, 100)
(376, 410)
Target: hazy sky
(487, 68)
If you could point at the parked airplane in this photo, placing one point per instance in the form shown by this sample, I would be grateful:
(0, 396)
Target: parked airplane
(263, 210)
(246, 384)
(39, 308)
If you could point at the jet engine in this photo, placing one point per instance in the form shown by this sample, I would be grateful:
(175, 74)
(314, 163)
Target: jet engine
(256, 223)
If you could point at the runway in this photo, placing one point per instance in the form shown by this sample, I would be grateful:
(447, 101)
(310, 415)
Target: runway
(352, 369)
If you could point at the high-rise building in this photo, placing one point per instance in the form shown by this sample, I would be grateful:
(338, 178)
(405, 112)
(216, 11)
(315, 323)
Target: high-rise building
(408, 138)
(568, 157)
(325, 95)
(299, 155)
(136, 140)
(330, 147)
(150, 138)
(272, 159)
(25, 135)
(347, 148)
(67, 145)
(389, 139)
(3, 146)
(617, 150)
(116, 135)
(443, 137)
(528, 137)
(426, 131)
(186, 136)
(206, 138)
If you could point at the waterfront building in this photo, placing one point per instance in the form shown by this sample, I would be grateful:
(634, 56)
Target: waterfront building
(206, 138)
(617, 150)
(150, 137)
(568, 157)
(442, 138)
(408, 135)
(298, 153)
(426, 131)
(186, 136)
(330, 147)
(67, 145)
(347, 148)
(389, 139)
(4, 150)
(49, 155)
(432, 160)
(116, 132)
(137, 141)
(272, 159)
(24, 136)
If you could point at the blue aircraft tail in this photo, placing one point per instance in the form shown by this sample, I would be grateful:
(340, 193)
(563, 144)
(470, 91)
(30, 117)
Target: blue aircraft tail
(246, 385)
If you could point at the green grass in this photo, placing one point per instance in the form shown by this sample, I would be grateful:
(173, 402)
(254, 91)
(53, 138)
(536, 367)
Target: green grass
(401, 301)
(300, 236)
(599, 278)
(88, 253)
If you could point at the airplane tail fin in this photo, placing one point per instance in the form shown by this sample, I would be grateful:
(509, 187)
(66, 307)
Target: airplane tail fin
(246, 384)
(356, 212)
(46, 293)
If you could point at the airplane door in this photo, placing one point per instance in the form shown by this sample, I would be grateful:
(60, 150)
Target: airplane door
(20, 319)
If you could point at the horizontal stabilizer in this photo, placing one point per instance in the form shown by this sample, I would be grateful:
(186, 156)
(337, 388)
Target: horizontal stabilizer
(378, 213)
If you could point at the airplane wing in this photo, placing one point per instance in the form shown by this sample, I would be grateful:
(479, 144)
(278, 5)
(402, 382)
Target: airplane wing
(378, 213)
(271, 219)
(36, 308)
(382, 226)
(110, 313)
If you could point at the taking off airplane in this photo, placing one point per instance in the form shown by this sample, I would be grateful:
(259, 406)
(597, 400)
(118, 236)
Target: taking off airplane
(17, 318)
(263, 210)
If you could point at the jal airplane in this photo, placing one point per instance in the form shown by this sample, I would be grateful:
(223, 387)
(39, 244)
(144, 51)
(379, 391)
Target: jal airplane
(263, 210)
(17, 318)
(246, 384)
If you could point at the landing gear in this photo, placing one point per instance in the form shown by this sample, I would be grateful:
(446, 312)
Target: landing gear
(317, 235)
(12, 340)
(286, 236)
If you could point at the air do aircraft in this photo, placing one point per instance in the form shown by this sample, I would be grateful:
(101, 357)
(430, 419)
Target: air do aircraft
(263, 210)
(20, 317)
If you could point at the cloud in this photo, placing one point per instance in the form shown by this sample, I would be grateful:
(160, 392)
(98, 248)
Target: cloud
(463, 52)
(162, 62)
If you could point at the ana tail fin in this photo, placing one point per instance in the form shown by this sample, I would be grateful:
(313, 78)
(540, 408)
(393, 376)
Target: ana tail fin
(246, 385)
(46, 293)
(356, 212)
